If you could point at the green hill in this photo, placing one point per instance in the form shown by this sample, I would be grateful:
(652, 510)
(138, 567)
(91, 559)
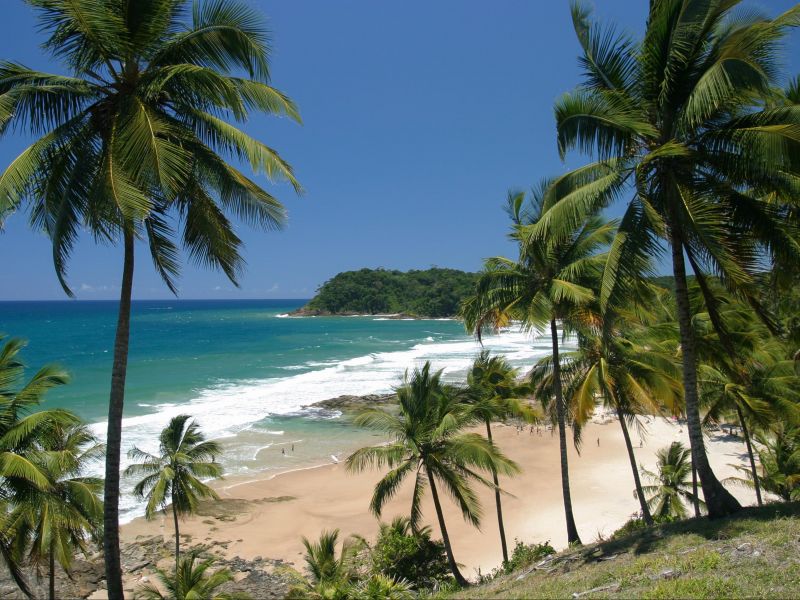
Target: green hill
(755, 554)
(429, 293)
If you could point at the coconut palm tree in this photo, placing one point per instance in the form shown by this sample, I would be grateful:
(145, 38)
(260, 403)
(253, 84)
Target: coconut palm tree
(672, 484)
(191, 581)
(380, 587)
(493, 394)
(630, 378)
(174, 475)
(548, 284)
(21, 429)
(133, 144)
(679, 128)
(428, 442)
(330, 576)
(51, 523)
(779, 457)
(757, 386)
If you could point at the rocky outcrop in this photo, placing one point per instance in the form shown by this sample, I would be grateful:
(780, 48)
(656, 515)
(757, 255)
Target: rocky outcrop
(348, 404)
(259, 578)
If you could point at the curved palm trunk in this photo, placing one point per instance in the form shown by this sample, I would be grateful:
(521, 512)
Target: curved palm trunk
(719, 501)
(52, 570)
(695, 494)
(177, 537)
(750, 454)
(648, 518)
(572, 530)
(445, 537)
(497, 501)
(114, 435)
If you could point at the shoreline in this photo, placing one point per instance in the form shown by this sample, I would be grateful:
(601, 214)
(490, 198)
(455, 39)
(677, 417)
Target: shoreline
(266, 516)
(312, 312)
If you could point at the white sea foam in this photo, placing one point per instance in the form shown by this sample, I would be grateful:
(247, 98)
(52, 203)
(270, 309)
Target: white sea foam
(231, 407)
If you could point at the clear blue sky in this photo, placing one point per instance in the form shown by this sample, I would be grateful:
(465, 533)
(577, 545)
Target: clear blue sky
(418, 117)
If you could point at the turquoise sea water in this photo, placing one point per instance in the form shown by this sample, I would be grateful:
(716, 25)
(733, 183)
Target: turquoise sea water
(244, 369)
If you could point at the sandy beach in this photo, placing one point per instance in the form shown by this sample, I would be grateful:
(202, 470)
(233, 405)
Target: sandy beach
(267, 517)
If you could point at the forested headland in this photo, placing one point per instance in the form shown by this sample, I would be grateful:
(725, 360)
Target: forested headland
(431, 292)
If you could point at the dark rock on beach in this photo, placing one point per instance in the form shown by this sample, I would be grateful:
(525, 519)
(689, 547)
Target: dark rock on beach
(349, 403)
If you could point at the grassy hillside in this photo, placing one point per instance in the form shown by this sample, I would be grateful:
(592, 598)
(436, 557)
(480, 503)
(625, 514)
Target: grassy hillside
(754, 555)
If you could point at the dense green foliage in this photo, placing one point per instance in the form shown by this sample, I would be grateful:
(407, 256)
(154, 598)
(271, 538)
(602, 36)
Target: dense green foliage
(429, 293)
(402, 554)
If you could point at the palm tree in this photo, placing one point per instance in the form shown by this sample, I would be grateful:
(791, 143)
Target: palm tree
(190, 582)
(428, 442)
(780, 463)
(630, 378)
(758, 386)
(51, 523)
(133, 144)
(493, 394)
(671, 484)
(21, 430)
(677, 128)
(174, 475)
(330, 576)
(549, 283)
(380, 587)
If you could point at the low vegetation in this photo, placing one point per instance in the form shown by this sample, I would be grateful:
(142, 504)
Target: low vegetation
(752, 555)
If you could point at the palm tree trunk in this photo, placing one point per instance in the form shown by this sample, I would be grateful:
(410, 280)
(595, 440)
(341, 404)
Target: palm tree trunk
(177, 537)
(750, 454)
(648, 518)
(52, 570)
(497, 501)
(445, 538)
(572, 530)
(719, 501)
(695, 494)
(114, 435)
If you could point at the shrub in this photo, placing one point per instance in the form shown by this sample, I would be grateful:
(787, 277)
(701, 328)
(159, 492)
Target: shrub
(637, 524)
(402, 554)
(526, 554)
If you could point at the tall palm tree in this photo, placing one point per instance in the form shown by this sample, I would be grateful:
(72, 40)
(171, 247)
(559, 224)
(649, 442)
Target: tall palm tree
(191, 581)
(493, 394)
(679, 127)
(548, 284)
(671, 483)
(428, 442)
(134, 143)
(21, 429)
(52, 523)
(631, 379)
(174, 476)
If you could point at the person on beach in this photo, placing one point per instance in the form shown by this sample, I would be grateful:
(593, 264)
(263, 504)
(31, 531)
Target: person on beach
(283, 451)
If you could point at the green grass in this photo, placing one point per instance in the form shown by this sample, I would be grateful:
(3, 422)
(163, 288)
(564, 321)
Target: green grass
(755, 554)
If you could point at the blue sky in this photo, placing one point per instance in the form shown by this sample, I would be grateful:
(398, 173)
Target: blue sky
(418, 117)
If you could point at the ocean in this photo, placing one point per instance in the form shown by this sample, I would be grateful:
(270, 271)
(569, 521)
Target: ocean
(244, 369)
